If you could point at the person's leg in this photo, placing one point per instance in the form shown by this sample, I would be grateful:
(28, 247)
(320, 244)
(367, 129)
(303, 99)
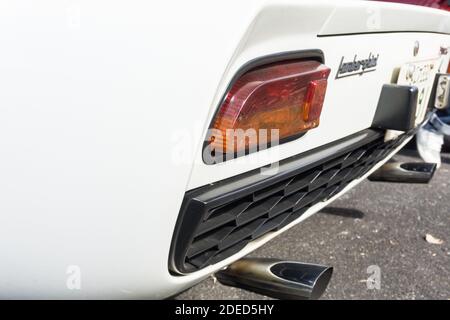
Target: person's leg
(445, 119)
(429, 144)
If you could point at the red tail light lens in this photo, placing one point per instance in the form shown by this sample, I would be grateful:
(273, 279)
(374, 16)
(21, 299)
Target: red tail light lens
(439, 4)
(286, 97)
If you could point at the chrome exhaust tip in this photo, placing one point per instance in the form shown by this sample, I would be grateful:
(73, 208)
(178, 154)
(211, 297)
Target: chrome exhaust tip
(277, 279)
(405, 172)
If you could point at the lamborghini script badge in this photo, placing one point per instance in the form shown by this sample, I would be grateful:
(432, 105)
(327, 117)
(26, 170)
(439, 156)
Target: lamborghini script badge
(357, 66)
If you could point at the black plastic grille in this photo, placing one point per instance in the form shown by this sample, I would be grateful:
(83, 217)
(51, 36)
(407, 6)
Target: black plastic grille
(219, 228)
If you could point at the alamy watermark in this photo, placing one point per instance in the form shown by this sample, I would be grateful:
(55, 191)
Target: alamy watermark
(220, 146)
(373, 282)
(73, 281)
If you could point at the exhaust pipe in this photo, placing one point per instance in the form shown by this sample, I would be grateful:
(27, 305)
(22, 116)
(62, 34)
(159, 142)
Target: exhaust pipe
(406, 172)
(276, 278)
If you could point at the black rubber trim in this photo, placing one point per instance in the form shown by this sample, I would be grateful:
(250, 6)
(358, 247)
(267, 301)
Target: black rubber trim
(396, 109)
(310, 54)
(375, 32)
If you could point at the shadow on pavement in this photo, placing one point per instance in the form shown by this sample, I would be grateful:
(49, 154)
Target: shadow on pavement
(409, 153)
(445, 159)
(343, 212)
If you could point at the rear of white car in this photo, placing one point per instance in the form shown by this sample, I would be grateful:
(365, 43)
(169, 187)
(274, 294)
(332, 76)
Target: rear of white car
(105, 107)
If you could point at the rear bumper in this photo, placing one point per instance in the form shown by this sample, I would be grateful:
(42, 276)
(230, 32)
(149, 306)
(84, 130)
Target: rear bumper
(219, 220)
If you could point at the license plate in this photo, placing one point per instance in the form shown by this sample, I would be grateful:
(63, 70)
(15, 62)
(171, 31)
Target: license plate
(442, 92)
(420, 74)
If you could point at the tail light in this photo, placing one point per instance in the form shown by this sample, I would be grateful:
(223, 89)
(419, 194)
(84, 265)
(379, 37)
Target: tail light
(439, 4)
(278, 101)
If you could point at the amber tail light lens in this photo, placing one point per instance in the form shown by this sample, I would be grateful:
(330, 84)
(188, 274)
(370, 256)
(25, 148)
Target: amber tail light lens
(282, 98)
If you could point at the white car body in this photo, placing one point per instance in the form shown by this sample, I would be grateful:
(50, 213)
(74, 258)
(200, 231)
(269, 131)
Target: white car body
(104, 106)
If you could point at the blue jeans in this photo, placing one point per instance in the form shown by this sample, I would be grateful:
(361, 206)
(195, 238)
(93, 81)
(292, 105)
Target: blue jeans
(445, 119)
(439, 125)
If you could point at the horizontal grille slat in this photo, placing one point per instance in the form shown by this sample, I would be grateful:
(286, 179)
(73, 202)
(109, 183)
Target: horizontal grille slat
(258, 210)
(232, 209)
(353, 157)
(221, 225)
(323, 179)
(209, 241)
(240, 234)
(310, 197)
(270, 191)
(271, 224)
(209, 225)
(202, 259)
(342, 175)
(328, 193)
(228, 252)
(292, 217)
(332, 191)
(287, 203)
(302, 181)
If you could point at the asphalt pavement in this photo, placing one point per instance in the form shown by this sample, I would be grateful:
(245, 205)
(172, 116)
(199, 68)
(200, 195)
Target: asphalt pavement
(374, 224)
